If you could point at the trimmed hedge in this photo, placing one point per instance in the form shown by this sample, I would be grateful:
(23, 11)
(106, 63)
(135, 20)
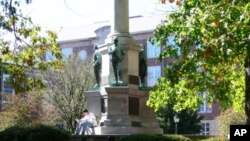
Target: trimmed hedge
(153, 137)
(34, 133)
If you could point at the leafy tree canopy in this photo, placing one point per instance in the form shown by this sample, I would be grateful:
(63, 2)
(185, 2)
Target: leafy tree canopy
(211, 55)
(23, 45)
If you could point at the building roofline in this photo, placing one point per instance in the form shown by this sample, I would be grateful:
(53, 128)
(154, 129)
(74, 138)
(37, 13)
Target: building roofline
(91, 38)
(76, 40)
(145, 31)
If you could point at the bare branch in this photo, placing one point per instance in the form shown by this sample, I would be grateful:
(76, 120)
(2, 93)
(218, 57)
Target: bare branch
(66, 88)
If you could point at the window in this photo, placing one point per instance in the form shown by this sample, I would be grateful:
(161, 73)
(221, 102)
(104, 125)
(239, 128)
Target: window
(205, 107)
(205, 128)
(82, 54)
(154, 73)
(153, 51)
(171, 42)
(66, 52)
(49, 56)
(7, 87)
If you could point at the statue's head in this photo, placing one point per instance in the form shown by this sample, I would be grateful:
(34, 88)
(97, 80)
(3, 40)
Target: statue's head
(115, 40)
(95, 46)
(141, 47)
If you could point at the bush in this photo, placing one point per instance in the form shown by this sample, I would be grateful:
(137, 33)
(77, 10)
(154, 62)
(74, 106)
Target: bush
(34, 133)
(227, 118)
(153, 137)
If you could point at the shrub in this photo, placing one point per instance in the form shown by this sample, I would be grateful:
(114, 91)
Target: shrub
(27, 109)
(153, 137)
(227, 118)
(34, 133)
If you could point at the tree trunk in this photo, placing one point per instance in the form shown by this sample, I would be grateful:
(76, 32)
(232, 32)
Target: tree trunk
(247, 85)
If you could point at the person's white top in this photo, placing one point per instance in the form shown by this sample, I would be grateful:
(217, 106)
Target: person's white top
(90, 118)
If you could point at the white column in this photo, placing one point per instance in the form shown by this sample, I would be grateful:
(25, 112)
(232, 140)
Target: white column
(121, 17)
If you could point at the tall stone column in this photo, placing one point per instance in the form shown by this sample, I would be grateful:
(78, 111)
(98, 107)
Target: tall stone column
(120, 23)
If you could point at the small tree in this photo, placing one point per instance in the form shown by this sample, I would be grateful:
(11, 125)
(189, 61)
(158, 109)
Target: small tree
(22, 110)
(230, 117)
(66, 88)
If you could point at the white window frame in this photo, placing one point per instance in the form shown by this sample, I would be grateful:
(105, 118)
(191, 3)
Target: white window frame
(205, 107)
(153, 51)
(5, 89)
(154, 73)
(205, 128)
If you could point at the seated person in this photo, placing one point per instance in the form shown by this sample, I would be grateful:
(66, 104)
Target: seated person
(88, 120)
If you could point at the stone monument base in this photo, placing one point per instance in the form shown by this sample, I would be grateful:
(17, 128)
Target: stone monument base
(122, 110)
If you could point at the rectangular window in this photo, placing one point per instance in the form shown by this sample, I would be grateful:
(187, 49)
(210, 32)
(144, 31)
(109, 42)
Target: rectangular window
(153, 51)
(154, 73)
(7, 87)
(205, 107)
(171, 42)
(49, 56)
(205, 128)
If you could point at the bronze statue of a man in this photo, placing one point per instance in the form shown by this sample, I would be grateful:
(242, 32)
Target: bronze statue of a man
(116, 55)
(97, 58)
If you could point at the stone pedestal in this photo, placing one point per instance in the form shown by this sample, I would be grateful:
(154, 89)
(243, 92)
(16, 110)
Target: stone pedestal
(96, 100)
(117, 113)
(125, 111)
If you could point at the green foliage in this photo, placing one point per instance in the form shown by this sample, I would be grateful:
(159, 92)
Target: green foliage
(153, 137)
(23, 46)
(213, 39)
(34, 133)
(189, 121)
(227, 118)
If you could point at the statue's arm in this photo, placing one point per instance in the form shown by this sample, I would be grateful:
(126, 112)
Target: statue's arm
(110, 51)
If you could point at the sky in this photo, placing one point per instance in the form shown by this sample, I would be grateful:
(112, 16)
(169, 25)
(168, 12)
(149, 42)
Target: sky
(67, 13)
